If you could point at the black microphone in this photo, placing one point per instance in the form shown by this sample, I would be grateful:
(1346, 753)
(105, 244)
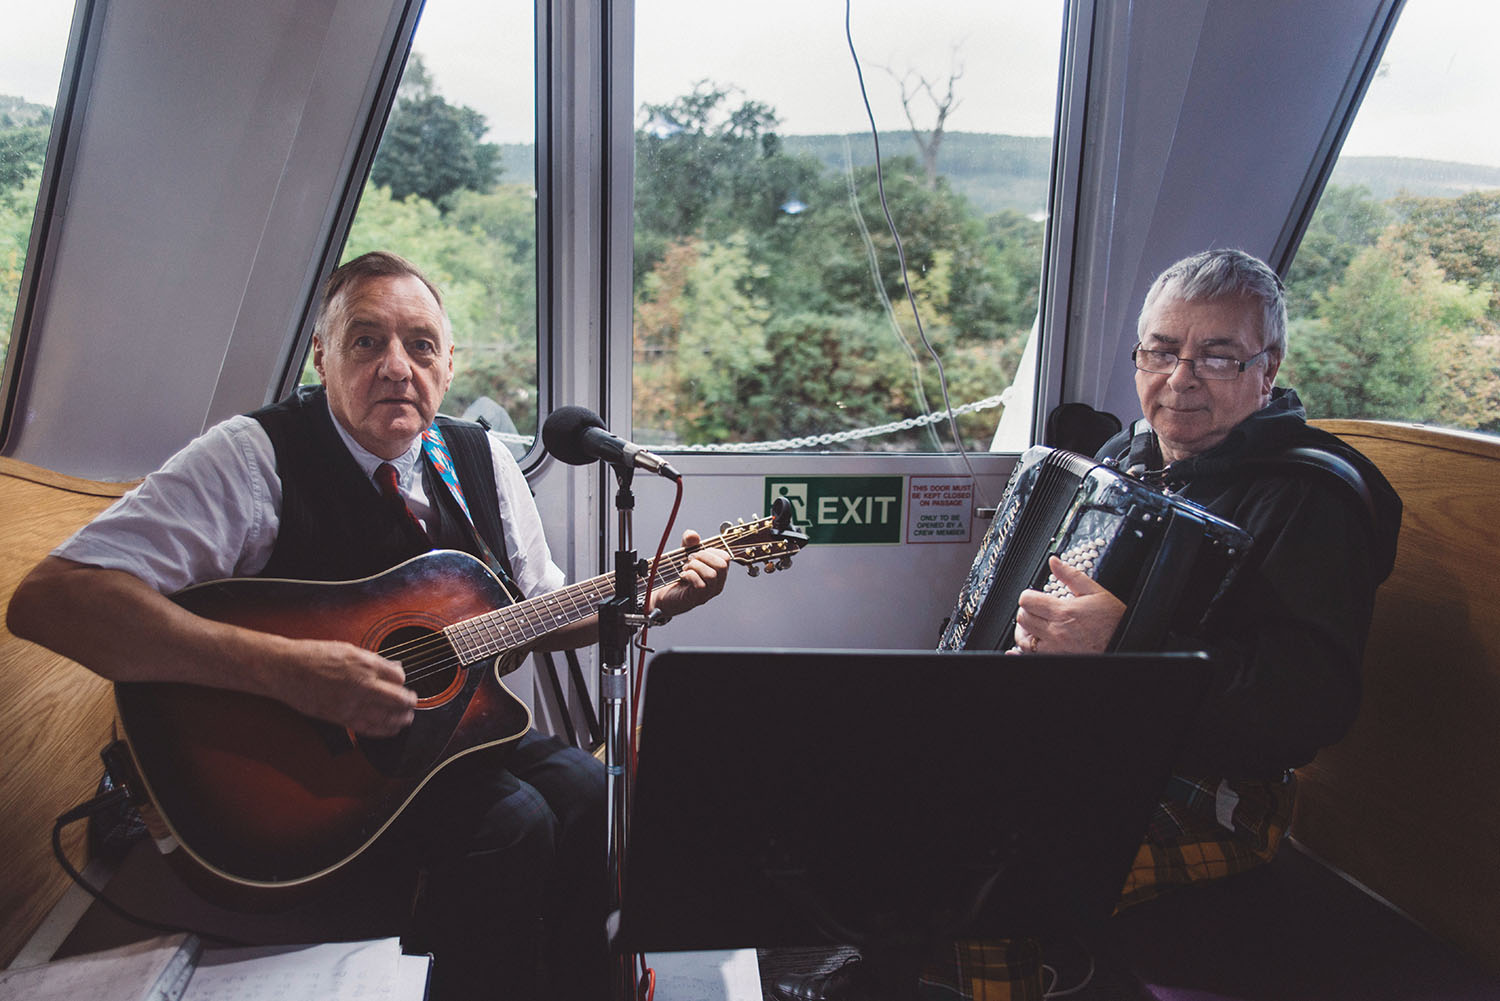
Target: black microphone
(576, 435)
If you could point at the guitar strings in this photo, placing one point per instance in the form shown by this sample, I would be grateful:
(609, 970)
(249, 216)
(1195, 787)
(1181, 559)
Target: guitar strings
(435, 652)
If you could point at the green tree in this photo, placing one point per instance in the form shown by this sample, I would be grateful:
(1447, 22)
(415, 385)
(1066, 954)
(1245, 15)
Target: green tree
(1347, 220)
(711, 364)
(1371, 354)
(701, 338)
(1012, 283)
(700, 170)
(811, 283)
(1461, 235)
(1466, 358)
(834, 372)
(1394, 309)
(23, 148)
(17, 206)
(482, 255)
(431, 148)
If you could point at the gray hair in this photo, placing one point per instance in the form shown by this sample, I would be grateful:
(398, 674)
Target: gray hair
(352, 274)
(1218, 274)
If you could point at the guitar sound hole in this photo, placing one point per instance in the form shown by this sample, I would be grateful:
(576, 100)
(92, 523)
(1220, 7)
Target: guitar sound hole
(426, 656)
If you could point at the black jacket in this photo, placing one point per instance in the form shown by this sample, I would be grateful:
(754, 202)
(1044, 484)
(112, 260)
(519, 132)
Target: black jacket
(1288, 639)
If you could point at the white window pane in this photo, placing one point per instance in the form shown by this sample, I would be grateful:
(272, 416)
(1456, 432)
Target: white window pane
(1395, 290)
(453, 189)
(769, 301)
(32, 49)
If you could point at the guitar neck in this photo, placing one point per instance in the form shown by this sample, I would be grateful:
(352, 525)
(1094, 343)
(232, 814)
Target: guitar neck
(519, 624)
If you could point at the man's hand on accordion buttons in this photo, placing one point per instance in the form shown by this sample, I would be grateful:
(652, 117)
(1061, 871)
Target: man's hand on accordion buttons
(1080, 622)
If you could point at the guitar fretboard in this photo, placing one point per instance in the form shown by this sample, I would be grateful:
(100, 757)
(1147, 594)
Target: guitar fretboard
(519, 624)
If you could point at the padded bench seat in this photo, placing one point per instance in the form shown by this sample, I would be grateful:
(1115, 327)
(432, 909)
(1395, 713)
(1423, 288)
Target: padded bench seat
(1294, 930)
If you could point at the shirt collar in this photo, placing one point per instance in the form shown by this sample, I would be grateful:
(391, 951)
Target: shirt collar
(405, 463)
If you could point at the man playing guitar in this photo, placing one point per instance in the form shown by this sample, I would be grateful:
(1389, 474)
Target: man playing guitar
(290, 491)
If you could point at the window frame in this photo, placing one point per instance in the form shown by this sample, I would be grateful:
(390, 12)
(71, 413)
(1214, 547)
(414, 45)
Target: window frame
(73, 89)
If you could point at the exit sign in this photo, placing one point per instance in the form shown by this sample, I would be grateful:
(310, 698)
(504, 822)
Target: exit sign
(842, 509)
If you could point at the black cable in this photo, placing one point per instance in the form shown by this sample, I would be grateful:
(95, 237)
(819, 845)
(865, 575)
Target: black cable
(911, 297)
(94, 806)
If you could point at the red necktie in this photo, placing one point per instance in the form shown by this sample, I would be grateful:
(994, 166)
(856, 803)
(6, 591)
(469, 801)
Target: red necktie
(385, 479)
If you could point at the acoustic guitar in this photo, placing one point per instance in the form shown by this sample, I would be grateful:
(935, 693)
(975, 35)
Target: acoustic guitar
(257, 798)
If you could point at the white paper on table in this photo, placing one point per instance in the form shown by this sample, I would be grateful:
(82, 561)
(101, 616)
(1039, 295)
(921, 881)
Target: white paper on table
(336, 971)
(732, 975)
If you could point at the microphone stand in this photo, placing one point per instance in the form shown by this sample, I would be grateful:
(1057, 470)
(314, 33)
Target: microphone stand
(618, 618)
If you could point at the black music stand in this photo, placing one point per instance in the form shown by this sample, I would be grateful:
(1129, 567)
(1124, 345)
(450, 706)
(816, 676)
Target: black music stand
(892, 799)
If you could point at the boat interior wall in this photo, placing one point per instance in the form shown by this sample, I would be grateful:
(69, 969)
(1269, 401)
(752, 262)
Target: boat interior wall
(55, 715)
(880, 596)
(189, 259)
(1405, 804)
(1176, 157)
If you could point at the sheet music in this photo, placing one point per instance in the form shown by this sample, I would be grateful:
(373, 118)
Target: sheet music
(130, 972)
(706, 976)
(337, 971)
(411, 982)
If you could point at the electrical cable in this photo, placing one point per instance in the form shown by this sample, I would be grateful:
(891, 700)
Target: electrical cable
(645, 989)
(93, 806)
(911, 297)
(1052, 991)
(873, 260)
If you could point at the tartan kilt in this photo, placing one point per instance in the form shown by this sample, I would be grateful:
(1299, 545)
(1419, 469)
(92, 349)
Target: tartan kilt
(1202, 830)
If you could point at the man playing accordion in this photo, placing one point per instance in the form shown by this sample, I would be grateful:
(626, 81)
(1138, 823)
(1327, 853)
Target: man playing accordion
(1287, 640)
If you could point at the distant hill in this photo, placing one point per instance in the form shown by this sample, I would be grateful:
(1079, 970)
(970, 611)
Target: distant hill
(994, 171)
(1388, 176)
(1010, 172)
(15, 112)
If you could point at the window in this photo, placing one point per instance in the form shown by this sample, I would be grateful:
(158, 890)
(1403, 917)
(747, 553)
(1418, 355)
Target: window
(32, 49)
(453, 189)
(1395, 290)
(769, 304)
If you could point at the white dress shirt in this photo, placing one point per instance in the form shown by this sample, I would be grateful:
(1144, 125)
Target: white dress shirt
(212, 511)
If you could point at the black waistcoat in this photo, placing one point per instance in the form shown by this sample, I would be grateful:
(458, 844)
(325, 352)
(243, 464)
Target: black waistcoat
(334, 524)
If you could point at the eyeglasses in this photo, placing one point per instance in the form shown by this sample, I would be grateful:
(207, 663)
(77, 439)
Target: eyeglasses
(1206, 367)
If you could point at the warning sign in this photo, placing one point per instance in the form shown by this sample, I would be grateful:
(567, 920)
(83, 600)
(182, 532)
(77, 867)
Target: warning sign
(939, 508)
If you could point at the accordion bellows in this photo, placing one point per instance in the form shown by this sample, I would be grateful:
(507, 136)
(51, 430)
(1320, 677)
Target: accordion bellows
(1165, 557)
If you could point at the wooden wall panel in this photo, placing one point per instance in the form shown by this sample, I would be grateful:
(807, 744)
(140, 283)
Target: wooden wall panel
(55, 716)
(1409, 802)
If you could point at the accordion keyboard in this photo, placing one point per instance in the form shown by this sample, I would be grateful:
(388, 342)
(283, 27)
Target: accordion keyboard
(1082, 556)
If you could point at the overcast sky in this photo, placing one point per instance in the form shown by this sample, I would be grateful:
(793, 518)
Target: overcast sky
(1436, 97)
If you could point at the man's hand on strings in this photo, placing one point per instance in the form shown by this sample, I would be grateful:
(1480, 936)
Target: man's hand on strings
(350, 686)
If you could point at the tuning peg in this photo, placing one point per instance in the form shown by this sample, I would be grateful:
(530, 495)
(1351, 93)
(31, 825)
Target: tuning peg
(724, 526)
(753, 570)
(785, 563)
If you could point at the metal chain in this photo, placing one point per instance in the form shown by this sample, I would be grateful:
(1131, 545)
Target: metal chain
(837, 437)
(811, 441)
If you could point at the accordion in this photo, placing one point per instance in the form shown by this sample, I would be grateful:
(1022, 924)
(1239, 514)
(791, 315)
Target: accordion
(1165, 557)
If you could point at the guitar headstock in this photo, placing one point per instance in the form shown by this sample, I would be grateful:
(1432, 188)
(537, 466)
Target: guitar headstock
(764, 544)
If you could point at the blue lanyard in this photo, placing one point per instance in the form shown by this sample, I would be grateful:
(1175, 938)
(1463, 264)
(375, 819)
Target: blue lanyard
(437, 452)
